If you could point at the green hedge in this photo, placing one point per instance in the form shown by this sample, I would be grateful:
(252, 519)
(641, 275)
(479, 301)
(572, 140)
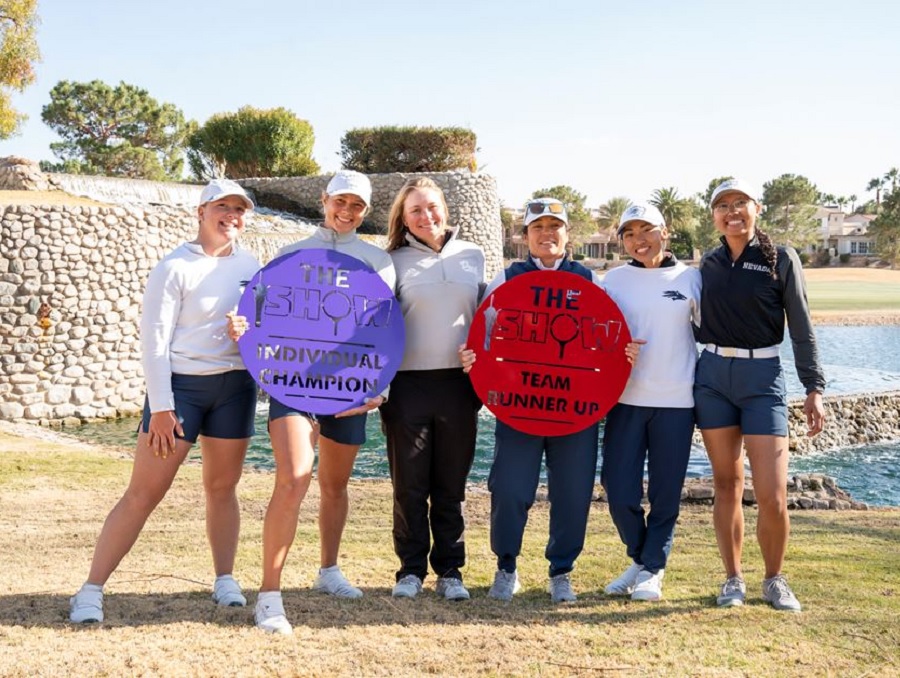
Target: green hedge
(378, 150)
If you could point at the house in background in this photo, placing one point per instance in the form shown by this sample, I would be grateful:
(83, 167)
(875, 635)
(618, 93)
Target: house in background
(845, 233)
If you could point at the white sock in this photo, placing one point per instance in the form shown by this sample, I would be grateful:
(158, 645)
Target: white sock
(268, 596)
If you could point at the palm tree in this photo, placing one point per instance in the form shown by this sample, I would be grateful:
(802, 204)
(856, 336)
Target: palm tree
(876, 185)
(853, 198)
(611, 212)
(892, 175)
(675, 210)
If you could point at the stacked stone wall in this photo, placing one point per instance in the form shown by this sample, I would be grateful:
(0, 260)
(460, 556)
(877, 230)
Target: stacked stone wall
(71, 285)
(472, 199)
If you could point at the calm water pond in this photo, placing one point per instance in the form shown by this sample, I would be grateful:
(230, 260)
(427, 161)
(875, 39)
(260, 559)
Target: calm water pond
(856, 360)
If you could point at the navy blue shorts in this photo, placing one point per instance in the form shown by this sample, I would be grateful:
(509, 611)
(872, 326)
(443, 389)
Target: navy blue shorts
(745, 392)
(214, 405)
(343, 430)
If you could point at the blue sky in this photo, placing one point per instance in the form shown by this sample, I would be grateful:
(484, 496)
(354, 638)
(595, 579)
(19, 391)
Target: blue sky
(610, 98)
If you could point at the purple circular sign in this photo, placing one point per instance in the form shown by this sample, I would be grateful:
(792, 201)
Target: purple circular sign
(326, 332)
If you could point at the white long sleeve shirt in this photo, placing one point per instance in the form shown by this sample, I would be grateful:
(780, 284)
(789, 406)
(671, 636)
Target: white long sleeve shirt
(183, 325)
(438, 293)
(658, 304)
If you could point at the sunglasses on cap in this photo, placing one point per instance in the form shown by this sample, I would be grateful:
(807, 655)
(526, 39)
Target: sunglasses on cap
(545, 208)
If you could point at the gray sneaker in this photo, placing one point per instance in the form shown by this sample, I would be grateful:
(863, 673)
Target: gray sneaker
(561, 589)
(779, 594)
(623, 585)
(733, 592)
(408, 587)
(451, 588)
(505, 585)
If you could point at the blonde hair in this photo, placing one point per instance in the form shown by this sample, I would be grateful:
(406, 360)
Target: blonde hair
(396, 228)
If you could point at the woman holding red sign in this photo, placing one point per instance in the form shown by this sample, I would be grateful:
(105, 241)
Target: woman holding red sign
(750, 287)
(294, 434)
(430, 422)
(571, 459)
(653, 422)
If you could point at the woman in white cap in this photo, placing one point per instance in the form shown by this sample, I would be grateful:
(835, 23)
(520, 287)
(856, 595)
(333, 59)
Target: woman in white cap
(653, 422)
(431, 420)
(197, 388)
(294, 433)
(749, 287)
(571, 459)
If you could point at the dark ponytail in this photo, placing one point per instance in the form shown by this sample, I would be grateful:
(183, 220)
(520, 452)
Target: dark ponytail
(768, 249)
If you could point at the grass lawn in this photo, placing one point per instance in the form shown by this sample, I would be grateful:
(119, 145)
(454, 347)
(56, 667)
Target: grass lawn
(853, 289)
(160, 620)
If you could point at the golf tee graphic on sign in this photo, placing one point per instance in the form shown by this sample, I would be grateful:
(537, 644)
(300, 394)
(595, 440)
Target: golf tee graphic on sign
(550, 350)
(325, 331)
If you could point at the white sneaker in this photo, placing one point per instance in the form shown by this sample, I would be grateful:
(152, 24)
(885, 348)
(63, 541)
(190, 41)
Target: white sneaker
(733, 592)
(648, 585)
(270, 616)
(87, 605)
(451, 588)
(331, 581)
(409, 586)
(227, 592)
(624, 584)
(561, 589)
(779, 594)
(505, 586)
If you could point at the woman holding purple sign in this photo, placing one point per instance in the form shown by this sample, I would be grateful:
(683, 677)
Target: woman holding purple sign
(197, 388)
(431, 419)
(294, 434)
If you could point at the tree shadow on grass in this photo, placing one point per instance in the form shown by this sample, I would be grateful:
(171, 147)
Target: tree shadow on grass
(306, 608)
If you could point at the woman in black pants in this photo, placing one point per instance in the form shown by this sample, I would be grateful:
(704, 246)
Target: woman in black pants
(431, 418)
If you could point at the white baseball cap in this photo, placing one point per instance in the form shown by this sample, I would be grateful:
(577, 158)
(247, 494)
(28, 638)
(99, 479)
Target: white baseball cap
(642, 211)
(734, 186)
(348, 181)
(222, 188)
(545, 207)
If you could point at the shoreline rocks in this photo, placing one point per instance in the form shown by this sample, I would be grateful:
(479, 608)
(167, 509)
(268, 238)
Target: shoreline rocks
(805, 491)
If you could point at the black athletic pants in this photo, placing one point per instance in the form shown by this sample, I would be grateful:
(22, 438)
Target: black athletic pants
(430, 422)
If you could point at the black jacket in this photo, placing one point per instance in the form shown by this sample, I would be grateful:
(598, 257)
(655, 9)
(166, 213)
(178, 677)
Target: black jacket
(744, 307)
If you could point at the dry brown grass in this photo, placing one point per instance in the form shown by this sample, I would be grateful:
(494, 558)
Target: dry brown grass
(160, 620)
(45, 198)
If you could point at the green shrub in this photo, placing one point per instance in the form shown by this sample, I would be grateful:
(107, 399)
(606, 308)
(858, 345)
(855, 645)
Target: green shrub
(379, 150)
(252, 143)
(823, 258)
(578, 256)
(844, 258)
(804, 258)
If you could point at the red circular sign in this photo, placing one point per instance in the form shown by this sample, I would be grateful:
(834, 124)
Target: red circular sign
(550, 350)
